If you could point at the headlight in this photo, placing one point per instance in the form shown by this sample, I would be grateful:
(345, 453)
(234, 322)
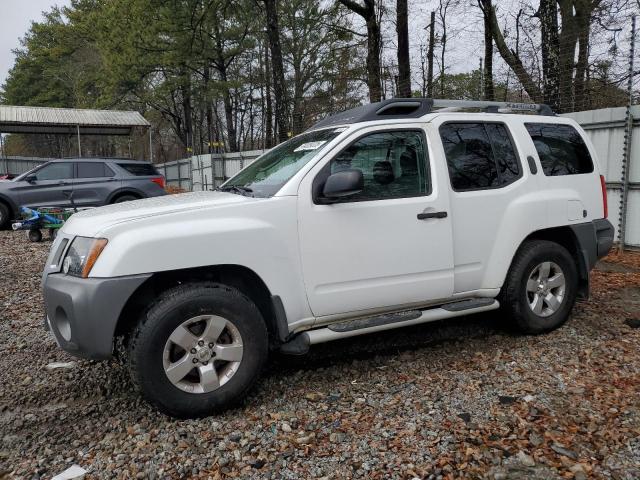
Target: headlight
(82, 255)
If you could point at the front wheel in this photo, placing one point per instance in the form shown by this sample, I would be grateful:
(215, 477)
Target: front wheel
(198, 350)
(541, 286)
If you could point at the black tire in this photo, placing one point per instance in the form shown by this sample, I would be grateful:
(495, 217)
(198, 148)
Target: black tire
(34, 235)
(169, 311)
(5, 214)
(125, 198)
(53, 233)
(514, 298)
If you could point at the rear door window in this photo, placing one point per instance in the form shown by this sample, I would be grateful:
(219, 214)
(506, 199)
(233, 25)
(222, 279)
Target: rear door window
(139, 169)
(93, 170)
(479, 155)
(561, 149)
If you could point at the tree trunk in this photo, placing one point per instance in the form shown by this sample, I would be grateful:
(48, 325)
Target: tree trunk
(268, 129)
(373, 58)
(548, 14)
(404, 69)
(583, 19)
(568, 41)
(368, 13)
(514, 62)
(188, 116)
(430, 55)
(489, 91)
(279, 86)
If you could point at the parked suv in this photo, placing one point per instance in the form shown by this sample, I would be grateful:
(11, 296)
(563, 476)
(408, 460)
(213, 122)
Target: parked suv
(90, 182)
(392, 214)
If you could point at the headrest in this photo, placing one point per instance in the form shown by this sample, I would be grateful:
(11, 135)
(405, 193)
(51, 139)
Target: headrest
(383, 173)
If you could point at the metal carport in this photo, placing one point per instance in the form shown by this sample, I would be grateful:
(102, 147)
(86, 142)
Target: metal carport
(71, 121)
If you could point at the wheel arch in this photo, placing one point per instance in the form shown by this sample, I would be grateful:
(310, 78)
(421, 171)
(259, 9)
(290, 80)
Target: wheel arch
(566, 237)
(240, 277)
(124, 191)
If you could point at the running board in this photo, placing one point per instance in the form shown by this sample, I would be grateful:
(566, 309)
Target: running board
(299, 344)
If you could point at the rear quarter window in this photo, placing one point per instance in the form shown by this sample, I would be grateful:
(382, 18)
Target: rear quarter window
(139, 169)
(561, 149)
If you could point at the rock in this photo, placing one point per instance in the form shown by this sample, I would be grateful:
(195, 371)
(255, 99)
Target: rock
(337, 437)
(313, 396)
(466, 417)
(56, 365)
(632, 322)
(528, 398)
(286, 427)
(235, 436)
(525, 460)
(559, 449)
(304, 439)
(258, 464)
(74, 472)
(535, 439)
(506, 399)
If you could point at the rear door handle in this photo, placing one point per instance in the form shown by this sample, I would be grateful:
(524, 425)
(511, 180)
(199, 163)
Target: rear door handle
(426, 216)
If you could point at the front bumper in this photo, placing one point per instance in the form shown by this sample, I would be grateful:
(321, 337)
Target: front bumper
(82, 313)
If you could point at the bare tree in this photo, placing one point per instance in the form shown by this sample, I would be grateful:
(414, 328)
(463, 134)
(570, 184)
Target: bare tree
(368, 13)
(404, 70)
(488, 88)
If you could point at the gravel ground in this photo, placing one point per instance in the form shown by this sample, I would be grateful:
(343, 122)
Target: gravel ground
(448, 400)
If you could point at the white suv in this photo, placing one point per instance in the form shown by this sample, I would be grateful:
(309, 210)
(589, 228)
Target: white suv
(392, 214)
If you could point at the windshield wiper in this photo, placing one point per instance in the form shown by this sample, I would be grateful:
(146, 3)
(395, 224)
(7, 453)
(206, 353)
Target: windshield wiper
(237, 189)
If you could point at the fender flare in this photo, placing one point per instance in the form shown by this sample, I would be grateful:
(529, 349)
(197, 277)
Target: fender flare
(124, 191)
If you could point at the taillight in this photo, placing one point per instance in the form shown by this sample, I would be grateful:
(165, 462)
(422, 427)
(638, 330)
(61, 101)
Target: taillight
(159, 181)
(605, 206)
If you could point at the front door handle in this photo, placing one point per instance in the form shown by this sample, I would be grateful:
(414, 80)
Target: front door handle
(426, 216)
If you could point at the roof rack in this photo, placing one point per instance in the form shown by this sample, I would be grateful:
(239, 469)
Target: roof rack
(491, 107)
(402, 108)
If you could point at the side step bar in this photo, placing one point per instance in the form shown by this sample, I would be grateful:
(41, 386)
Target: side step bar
(299, 344)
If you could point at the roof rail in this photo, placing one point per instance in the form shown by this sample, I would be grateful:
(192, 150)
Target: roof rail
(401, 108)
(492, 107)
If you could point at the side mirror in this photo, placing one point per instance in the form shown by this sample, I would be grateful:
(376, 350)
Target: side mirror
(343, 184)
(31, 178)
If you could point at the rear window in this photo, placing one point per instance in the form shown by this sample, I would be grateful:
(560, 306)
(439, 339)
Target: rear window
(139, 169)
(479, 155)
(560, 148)
(93, 170)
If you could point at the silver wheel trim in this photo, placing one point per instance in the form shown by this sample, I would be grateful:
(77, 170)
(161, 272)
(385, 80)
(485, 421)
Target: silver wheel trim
(545, 289)
(202, 353)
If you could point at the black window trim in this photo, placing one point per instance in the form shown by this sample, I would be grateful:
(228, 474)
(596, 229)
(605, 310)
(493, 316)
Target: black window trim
(584, 140)
(513, 144)
(428, 192)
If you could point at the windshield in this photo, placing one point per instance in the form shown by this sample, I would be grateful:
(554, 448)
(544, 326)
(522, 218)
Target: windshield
(267, 175)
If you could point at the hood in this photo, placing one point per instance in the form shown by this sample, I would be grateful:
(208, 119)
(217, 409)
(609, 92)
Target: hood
(91, 221)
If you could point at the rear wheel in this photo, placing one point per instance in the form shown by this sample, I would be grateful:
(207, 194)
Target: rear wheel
(125, 198)
(198, 349)
(541, 286)
(5, 213)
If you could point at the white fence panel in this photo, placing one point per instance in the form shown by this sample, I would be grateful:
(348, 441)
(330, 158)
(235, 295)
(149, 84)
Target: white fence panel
(606, 129)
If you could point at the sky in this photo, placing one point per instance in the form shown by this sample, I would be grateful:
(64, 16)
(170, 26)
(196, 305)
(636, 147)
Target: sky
(15, 19)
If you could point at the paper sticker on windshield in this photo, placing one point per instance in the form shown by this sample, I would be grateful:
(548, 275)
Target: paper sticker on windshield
(310, 146)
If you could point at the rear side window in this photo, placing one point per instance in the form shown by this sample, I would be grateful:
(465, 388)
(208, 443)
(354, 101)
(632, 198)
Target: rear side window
(93, 170)
(560, 148)
(479, 155)
(139, 169)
